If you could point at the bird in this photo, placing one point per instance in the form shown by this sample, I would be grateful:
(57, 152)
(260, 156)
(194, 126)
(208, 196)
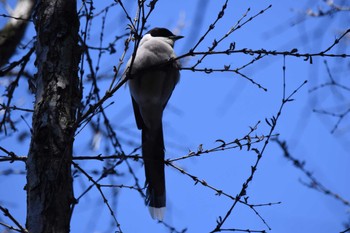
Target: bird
(152, 76)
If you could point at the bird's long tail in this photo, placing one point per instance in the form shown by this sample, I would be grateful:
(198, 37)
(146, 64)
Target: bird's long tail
(153, 156)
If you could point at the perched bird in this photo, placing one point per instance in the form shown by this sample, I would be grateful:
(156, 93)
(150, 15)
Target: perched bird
(153, 74)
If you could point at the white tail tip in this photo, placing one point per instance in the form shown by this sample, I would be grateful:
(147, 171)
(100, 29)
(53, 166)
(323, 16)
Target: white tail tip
(157, 213)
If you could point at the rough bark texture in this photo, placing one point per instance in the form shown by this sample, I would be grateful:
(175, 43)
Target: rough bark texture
(49, 180)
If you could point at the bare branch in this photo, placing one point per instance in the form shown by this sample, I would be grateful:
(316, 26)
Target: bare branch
(98, 186)
(314, 183)
(272, 123)
(13, 31)
(11, 156)
(332, 9)
(13, 219)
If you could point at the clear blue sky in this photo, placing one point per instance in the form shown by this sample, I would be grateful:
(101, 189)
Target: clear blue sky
(205, 108)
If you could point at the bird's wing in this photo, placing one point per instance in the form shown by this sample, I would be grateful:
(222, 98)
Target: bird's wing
(138, 117)
(176, 76)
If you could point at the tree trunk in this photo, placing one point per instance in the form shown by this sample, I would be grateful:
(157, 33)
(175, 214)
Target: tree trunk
(49, 179)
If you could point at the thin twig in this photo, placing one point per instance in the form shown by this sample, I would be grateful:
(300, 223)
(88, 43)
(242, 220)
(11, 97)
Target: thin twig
(314, 182)
(13, 219)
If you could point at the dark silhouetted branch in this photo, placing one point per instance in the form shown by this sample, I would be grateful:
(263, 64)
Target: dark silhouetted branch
(13, 219)
(11, 34)
(314, 183)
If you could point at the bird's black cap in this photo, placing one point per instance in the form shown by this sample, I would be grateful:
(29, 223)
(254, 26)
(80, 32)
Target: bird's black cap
(163, 32)
(160, 32)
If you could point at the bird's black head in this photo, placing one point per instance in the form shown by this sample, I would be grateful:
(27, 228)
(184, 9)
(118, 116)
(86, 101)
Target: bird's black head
(160, 32)
(163, 32)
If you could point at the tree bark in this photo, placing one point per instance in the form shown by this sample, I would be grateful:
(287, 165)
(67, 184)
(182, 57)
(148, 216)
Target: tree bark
(49, 179)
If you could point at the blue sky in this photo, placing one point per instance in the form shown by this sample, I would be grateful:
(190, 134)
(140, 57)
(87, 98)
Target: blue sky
(207, 107)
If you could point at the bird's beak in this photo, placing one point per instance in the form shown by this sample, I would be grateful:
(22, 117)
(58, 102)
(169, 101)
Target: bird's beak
(174, 38)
